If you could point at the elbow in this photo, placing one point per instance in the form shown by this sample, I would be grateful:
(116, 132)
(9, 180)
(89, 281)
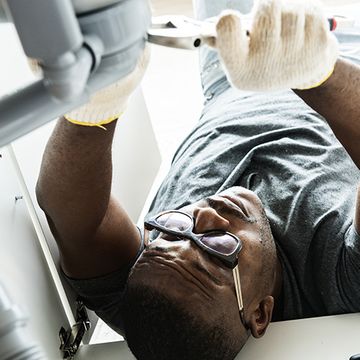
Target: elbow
(40, 195)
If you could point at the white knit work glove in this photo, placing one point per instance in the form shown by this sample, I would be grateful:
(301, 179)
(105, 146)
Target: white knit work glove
(109, 103)
(289, 45)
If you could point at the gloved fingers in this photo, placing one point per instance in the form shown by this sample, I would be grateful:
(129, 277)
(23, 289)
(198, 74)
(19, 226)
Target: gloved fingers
(316, 24)
(232, 41)
(109, 103)
(293, 24)
(128, 84)
(266, 26)
(125, 86)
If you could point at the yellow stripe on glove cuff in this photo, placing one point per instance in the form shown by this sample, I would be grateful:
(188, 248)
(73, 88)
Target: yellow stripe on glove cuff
(320, 82)
(98, 124)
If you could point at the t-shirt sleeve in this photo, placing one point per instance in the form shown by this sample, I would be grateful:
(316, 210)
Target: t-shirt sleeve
(104, 294)
(349, 271)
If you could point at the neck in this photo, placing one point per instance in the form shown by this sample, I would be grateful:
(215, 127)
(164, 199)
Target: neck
(278, 280)
(276, 292)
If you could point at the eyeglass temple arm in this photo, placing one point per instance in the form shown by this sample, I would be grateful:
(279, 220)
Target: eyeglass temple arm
(238, 291)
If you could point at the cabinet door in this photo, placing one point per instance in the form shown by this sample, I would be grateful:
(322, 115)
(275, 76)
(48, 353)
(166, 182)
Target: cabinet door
(23, 267)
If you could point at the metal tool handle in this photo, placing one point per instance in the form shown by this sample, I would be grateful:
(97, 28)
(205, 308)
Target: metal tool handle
(186, 33)
(181, 32)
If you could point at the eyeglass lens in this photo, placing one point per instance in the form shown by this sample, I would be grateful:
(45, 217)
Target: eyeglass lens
(220, 242)
(175, 221)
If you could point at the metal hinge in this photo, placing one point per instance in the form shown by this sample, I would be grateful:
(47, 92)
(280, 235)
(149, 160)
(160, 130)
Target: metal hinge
(70, 340)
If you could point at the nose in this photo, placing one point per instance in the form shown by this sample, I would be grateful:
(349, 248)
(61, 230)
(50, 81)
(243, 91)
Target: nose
(207, 219)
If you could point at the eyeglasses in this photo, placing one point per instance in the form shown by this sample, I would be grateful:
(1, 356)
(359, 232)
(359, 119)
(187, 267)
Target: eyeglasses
(221, 244)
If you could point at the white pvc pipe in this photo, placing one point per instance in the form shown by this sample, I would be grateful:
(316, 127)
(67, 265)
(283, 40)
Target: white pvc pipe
(80, 6)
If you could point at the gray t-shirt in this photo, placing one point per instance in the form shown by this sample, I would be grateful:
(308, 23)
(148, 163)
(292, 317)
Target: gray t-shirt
(277, 146)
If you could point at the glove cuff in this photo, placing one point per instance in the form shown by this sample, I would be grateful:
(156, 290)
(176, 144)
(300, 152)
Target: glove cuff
(97, 113)
(98, 124)
(319, 83)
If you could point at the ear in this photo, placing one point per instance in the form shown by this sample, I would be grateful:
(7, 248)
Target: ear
(261, 317)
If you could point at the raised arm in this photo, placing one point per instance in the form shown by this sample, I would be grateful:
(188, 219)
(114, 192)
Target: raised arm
(94, 234)
(338, 101)
(290, 46)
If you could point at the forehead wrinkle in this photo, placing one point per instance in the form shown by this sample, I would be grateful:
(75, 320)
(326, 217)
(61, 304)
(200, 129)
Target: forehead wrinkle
(196, 265)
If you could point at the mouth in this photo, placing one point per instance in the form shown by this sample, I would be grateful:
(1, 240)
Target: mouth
(166, 267)
(151, 257)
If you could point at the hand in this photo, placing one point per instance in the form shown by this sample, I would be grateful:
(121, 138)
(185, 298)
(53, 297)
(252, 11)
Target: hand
(289, 45)
(108, 104)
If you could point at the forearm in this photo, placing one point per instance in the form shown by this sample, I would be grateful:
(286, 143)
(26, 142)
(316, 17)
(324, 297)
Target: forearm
(338, 101)
(75, 178)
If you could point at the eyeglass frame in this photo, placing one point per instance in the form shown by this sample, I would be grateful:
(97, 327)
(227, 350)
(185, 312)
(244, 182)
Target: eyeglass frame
(230, 261)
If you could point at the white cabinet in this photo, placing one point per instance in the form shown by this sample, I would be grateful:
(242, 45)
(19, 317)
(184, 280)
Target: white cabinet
(23, 269)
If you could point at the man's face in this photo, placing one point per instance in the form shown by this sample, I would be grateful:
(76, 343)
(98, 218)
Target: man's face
(190, 275)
